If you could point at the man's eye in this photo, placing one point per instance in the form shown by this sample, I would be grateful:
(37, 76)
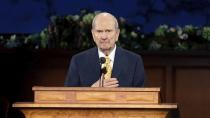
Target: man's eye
(108, 30)
(99, 31)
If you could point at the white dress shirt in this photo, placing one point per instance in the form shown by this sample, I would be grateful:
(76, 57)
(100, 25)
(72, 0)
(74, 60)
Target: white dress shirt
(111, 55)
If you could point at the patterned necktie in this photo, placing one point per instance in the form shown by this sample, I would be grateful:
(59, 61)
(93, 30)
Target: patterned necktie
(108, 68)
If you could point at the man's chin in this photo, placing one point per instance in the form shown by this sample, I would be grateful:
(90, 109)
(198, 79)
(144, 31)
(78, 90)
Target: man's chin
(105, 49)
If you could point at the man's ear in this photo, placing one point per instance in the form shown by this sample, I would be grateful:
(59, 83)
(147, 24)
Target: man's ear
(93, 35)
(118, 34)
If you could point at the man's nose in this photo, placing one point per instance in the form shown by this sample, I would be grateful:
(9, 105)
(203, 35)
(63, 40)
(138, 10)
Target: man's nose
(104, 35)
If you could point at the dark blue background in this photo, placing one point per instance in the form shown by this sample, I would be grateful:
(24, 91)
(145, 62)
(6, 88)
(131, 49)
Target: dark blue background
(30, 16)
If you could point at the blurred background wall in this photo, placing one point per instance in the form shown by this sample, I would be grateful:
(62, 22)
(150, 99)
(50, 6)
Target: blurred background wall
(29, 16)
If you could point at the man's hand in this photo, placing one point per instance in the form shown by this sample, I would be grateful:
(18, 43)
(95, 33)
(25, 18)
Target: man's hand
(112, 82)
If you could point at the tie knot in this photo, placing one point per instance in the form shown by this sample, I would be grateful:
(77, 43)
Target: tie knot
(107, 59)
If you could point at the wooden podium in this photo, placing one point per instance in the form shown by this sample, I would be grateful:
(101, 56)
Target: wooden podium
(86, 102)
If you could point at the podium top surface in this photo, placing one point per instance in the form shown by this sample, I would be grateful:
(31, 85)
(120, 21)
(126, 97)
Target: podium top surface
(41, 88)
(143, 106)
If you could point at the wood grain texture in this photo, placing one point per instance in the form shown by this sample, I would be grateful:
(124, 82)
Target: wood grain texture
(94, 105)
(93, 113)
(42, 88)
(95, 95)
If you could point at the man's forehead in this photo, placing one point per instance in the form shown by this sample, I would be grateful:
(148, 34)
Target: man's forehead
(105, 24)
(105, 20)
(104, 27)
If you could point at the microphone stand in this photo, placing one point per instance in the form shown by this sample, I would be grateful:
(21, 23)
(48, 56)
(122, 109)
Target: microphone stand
(103, 72)
(101, 80)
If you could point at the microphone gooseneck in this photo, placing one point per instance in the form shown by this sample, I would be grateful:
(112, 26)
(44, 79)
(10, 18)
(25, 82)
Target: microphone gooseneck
(103, 70)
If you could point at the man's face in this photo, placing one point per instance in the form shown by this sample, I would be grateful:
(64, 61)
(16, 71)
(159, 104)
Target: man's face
(105, 34)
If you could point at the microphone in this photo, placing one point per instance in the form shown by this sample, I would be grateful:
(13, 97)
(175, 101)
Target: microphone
(102, 60)
(103, 70)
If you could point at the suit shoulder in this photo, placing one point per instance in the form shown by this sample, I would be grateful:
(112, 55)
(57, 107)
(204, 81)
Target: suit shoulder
(81, 56)
(85, 53)
(130, 53)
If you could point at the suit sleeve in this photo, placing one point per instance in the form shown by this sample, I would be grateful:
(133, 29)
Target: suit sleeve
(139, 74)
(72, 78)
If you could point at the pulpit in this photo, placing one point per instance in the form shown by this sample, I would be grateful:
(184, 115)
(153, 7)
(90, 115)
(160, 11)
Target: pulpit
(87, 102)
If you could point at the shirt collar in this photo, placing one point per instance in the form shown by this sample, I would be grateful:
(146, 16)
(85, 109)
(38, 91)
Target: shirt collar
(111, 55)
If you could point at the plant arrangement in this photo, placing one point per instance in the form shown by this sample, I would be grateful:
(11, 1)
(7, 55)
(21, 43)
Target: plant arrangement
(74, 32)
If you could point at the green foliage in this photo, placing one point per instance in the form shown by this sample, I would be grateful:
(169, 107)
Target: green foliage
(206, 33)
(74, 32)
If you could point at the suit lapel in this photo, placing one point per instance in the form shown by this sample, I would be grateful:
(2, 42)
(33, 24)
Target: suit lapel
(95, 62)
(117, 63)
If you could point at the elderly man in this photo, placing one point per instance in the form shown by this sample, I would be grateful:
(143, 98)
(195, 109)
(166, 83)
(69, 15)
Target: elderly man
(123, 68)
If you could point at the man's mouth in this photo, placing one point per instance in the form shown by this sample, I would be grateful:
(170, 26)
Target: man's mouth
(104, 42)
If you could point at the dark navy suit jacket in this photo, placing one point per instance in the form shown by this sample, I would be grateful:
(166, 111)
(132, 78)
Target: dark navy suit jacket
(84, 69)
